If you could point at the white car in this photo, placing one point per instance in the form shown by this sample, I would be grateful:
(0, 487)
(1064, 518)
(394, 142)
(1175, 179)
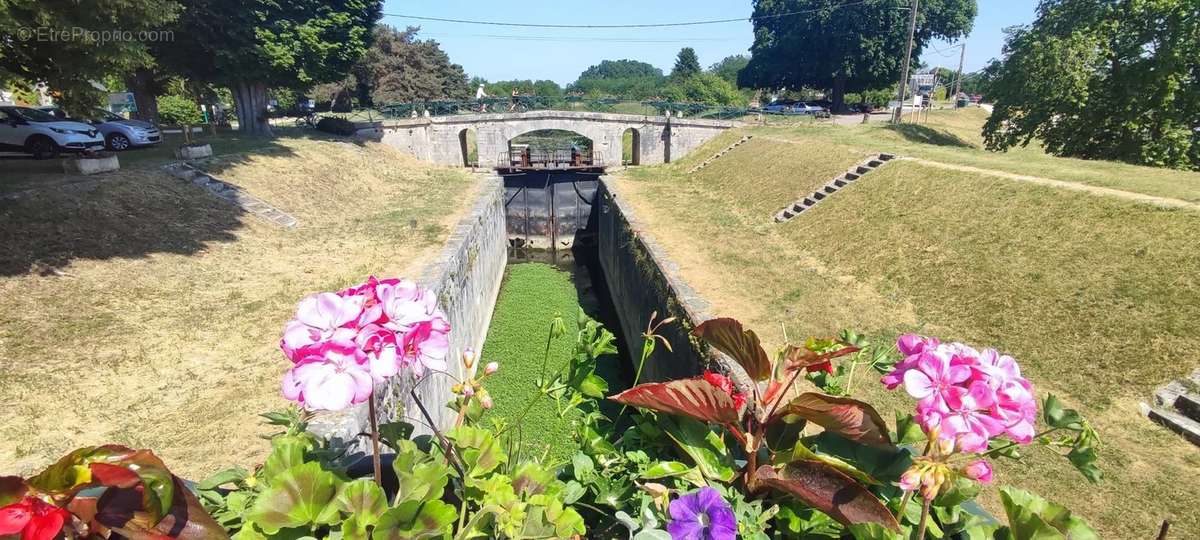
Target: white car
(32, 132)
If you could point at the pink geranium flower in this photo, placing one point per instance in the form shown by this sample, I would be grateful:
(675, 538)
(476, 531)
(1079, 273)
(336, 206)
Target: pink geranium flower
(321, 317)
(329, 376)
(933, 380)
(979, 470)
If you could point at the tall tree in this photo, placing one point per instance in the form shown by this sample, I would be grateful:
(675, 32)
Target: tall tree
(252, 45)
(844, 47)
(1103, 79)
(69, 45)
(624, 78)
(729, 67)
(687, 64)
(400, 67)
(620, 69)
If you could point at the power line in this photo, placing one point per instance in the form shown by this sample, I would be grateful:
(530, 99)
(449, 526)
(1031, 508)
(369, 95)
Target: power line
(585, 39)
(648, 25)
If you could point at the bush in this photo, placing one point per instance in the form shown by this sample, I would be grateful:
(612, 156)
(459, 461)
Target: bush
(705, 88)
(178, 110)
(337, 126)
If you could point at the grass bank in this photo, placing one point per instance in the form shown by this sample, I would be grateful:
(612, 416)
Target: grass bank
(144, 311)
(1096, 296)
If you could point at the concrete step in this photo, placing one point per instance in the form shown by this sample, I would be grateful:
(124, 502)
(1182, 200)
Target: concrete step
(874, 163)
(1188, 428)
(863, 170)
(841, 182)
(808, 201)
(851, 176)
(818, 195)
(887, 157)
(830, 189)
(1189, 405)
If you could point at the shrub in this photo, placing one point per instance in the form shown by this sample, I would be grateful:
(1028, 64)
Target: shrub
(337, 126)
(178, 110)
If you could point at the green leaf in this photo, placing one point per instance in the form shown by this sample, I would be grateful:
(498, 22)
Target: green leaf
(479, 449)
(414, 520)
(652, 534)
(704, 446)
(1084, 460)
(728, 336)
(801, 452)
(873, 531)
(286, 452)
(1031, 517)
(961, 490)
(593, 386)
(301, 496)
(907, 429)
(362, 498)
(393, 432)
(823, 487)
(355, 527)
(227, 476)
(664, 469)
(1060, 417)
(424, 482)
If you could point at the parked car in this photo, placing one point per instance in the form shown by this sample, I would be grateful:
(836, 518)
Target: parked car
(119, 133)
(24, 130)
(808, 108)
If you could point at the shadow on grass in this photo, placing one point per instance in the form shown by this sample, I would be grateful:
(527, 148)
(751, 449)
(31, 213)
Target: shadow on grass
(129, 217)
(926, 135)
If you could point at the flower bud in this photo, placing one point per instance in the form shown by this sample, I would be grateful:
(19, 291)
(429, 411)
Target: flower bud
(557, 326)
(979, 470)
(485, 400)
(468, 390)
(457, 389)
(491, 368)
(468, 357)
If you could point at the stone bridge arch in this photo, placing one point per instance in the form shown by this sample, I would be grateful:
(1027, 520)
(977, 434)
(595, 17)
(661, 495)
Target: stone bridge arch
(660, 139)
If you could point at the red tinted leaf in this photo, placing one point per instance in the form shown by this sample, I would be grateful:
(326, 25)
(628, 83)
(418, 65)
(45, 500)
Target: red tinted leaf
(120, 510)
(694, 398)
(113, 475)
(847, 417)
(727, 336)
(823, 487)
(795, 358)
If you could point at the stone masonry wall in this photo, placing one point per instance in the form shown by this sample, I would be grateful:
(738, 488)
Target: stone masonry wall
(643, 280)
(466, 278)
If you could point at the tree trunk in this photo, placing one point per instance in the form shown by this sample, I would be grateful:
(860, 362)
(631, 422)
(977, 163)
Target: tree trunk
(141, 82)
(250, 99)
(839, 93)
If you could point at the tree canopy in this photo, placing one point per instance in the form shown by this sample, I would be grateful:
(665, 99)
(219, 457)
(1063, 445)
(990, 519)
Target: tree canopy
(704, 88)
(624, 78)
(729, 67)
(844, 47)
(251, 45)
(70, 44)
(687, 64)
(400, 67)
(620, 69)
(1103, 79)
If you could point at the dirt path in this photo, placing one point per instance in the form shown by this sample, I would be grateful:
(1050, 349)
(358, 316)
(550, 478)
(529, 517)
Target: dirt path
(1095, 190)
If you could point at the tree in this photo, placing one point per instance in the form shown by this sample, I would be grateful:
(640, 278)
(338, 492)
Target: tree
(253, 45)
(980, 82)
(687, 64)
(704, 88)
(629, 79)
(1103, 80)
(401, 68)
(729, 67)
(69, 45)
(843, 47)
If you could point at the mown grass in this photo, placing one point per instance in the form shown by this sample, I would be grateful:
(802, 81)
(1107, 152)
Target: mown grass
(144, 311)
(1097, 297)
(956, 137)
(531, 296)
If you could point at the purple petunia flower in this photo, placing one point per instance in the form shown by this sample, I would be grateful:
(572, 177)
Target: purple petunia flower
(702, 515)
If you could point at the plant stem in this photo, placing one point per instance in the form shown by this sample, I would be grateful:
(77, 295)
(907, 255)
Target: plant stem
(375, 440)
(451, 457)
(462, 514)
(647, 350)
(924, 517)
(1014, 443)
(546, 355)
(903, 504)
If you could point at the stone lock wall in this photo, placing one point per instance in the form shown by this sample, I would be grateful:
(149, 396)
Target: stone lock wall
(466, 278)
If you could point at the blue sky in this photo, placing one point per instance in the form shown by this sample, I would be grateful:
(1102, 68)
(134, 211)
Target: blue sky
(498, 53)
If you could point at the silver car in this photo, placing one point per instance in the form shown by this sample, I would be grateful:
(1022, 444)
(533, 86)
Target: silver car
(119, 133)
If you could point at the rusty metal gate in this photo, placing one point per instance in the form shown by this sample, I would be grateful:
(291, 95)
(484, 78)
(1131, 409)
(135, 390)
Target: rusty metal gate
(546, 210)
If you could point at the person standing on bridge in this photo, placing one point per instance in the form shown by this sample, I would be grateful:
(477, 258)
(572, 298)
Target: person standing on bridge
(479, 95)
(516, 96)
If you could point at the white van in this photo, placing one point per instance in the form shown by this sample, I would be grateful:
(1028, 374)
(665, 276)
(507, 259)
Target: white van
(29, 131)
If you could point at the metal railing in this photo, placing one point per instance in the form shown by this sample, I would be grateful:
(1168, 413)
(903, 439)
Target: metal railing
(549, 159)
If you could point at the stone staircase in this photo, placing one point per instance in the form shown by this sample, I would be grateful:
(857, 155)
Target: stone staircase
(1177, 407)
(856, 172)
(717, 155)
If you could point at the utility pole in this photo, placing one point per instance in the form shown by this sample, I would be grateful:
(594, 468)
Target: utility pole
(958, 80)
(912, 30)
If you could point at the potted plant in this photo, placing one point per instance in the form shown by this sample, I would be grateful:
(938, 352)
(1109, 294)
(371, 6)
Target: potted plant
(178, 110)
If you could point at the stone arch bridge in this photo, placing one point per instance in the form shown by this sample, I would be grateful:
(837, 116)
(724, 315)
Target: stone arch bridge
(444, 140)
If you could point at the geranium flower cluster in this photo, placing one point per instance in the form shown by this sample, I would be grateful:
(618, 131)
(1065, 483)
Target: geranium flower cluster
(965, 396)
(342, 344)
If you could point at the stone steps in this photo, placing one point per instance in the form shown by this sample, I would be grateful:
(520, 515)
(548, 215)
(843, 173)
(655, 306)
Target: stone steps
(718, 155)
(231, 193)
(1177, 407)
(833, 186)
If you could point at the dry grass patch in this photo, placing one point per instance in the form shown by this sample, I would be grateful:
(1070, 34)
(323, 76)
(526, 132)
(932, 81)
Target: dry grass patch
(162, 333)
(1097, 297)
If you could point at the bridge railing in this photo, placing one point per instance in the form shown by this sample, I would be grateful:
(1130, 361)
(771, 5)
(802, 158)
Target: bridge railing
(416, 109)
